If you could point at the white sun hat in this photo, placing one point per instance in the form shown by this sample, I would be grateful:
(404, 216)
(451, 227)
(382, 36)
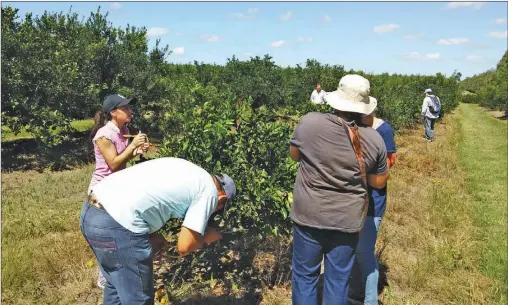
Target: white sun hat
(352, 95)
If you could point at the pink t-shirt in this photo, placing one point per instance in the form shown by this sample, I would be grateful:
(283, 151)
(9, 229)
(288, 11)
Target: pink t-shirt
(111, 132)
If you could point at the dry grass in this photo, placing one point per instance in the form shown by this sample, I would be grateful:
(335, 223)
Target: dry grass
(428, 231)
(431, 243)
(44, 255)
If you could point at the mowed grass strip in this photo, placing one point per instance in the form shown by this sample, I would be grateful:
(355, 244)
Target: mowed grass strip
(8, 135)
(428, 235)
(483, 154)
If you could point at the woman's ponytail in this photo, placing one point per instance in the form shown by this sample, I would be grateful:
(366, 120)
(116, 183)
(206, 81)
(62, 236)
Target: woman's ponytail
(99, 122)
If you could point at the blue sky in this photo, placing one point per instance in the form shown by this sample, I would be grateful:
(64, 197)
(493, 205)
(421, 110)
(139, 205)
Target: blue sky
(393, 37)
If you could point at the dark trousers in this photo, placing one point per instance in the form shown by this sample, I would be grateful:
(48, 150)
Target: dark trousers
(309, 247)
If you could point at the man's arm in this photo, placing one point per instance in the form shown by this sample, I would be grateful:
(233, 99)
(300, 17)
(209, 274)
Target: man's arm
(313, 96)
(191, 241)
(378, 180)
(294, 153)
(425, 105)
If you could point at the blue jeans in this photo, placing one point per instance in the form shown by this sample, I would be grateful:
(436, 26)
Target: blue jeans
(366, 270)
(124, 257)
(429, 128)
(309, 246)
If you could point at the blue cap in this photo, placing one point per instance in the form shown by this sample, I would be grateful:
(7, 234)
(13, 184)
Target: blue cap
(114, 101)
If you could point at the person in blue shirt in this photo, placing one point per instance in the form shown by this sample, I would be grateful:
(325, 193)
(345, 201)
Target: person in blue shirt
(125, 209)
(366, 268)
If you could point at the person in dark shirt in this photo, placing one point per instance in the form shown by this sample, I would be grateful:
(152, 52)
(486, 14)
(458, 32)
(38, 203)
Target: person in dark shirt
(365, 274)
(330, 195)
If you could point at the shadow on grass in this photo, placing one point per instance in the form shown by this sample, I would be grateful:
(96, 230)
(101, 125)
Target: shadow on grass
(28, 154)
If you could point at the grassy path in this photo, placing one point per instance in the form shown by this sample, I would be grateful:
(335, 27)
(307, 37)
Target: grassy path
(443, 238)
(483, 154)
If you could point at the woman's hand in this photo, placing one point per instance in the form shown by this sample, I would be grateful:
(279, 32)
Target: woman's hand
(139, 140)
(141, 150)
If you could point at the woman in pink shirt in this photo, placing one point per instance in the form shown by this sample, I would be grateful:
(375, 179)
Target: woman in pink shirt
(111, 149)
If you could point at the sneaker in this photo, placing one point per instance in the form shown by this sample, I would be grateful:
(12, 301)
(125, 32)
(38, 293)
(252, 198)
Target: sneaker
(101, 281)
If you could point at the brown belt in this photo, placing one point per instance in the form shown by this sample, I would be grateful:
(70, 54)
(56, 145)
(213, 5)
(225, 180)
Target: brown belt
(93, 201)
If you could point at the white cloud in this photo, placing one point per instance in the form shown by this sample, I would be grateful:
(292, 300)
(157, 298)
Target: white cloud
(286, 16)
(156, 32)
(211, 38)
(327, 18)
(386, 28)
(432, 56)
(277, 44)
(499, 21)
(179, 51)
(475, 5)
(474, 58)
(304, 39)
(413, 36)
(500, 35)
(251, 14)
(418, 56)
(453, 41)
(115, 6)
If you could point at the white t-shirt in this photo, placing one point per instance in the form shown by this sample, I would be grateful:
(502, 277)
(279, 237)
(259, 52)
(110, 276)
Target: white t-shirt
(142, 198)
(318, 98)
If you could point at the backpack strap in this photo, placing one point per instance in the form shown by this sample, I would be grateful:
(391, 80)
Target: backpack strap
(354, 136)
(434, 108)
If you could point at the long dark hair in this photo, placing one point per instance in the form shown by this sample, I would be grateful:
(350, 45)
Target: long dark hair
(351, 116)
(99, 121)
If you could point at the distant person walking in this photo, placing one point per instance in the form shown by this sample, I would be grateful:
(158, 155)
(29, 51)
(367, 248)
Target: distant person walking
(366, 268)
(318, 95)
(431, 107)
(111, 149)
(339, 156)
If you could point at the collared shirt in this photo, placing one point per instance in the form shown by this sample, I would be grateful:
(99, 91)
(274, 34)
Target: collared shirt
(143, 197)
(111, 132)
(318, 97)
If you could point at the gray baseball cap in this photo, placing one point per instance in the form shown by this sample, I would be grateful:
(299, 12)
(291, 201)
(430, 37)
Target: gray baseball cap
(114, 101)
(229, 188)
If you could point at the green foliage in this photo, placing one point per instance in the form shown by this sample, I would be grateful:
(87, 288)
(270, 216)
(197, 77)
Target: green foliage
(491, 87)
(56, 68)
(470, 98)
(237, 118)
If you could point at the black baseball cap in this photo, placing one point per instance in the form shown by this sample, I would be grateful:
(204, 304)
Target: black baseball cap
(114, 101)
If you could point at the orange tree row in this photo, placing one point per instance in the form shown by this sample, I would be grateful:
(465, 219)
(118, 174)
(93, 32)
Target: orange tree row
(488, 89)
(236, 118)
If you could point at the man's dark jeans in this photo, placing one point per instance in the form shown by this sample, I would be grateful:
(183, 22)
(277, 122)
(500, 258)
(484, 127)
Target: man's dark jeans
(429, 128)
(125, 258)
